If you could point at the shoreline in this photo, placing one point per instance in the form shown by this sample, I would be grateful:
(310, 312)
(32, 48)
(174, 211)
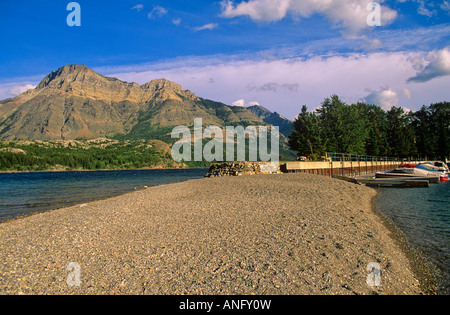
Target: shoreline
(105, 170)
(344, 289)
(37, 212)
(34, 212)
(419, 264)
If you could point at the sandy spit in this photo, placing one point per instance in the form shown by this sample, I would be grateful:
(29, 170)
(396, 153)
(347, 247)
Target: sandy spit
(267, 234)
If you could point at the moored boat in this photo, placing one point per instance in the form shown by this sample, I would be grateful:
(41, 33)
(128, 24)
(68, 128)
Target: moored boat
(406, 172)
(439, 168)
(407, 166)
(424, 170)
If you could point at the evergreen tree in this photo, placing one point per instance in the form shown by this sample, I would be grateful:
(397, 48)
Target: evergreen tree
(401, 134)
(343, 126)
(425, 133)
(330, 114)
(441, 123)
(306, 137)
(377, 126)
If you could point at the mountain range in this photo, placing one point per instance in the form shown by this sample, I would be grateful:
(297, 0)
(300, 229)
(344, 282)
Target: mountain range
(286, 126)
(74, 102)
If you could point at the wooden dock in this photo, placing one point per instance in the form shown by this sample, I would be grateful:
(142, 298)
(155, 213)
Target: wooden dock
(396, 182)
(431, 179)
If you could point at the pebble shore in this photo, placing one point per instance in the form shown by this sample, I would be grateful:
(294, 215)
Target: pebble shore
(266, 234)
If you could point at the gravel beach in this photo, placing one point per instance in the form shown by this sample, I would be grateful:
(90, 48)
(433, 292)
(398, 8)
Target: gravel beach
(266, 234)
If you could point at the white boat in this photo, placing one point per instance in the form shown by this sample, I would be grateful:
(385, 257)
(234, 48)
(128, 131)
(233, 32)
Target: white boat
(407, 172)
(434, 166)
(424, 170)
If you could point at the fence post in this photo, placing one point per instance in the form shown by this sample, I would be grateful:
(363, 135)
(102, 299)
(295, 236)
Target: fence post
(351, 165)
(331, 168)
(359, 165)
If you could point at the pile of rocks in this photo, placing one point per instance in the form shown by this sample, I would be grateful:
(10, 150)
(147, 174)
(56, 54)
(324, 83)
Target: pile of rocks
(242, 168)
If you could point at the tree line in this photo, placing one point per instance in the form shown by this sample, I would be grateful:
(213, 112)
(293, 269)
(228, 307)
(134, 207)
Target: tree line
(364, 129)
(16, 156)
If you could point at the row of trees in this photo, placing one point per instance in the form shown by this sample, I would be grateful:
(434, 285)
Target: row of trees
(364, 129)
(41, 157)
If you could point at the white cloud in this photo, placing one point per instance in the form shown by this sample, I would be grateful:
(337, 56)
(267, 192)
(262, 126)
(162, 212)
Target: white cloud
(352, 76)
(240, 103)
(14, 88)
(373, 44)
(408, 93)
(257, 10)
(138, 7)
(349, 15)
(445, 6)
(268, 87)
(157, 12)
(430, 8)
(438, 66)
(385, 98)
(209, 26)
(274, 87)
(253, 103)
(424, 10)
(19, 89)
(176, 22)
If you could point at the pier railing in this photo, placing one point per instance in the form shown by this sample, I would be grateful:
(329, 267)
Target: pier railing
(352, 157)
(341, 164)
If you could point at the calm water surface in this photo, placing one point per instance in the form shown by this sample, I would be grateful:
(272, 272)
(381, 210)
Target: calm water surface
(25, 193)
(423, 214)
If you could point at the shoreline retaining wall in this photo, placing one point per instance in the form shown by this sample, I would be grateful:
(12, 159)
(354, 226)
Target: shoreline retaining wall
(346, 168)
(343, 168)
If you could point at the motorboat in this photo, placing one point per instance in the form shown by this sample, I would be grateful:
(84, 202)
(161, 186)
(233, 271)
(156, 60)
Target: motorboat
(436, 167)
(408, 165)
(407, 172)
(425, 170)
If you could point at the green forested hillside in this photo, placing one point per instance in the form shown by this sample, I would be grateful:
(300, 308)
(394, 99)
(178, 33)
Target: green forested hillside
(84, 155)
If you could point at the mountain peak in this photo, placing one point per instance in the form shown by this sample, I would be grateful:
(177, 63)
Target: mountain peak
(160, 84)
(74, 68)
(63, 72)
(273, 118)
(75, 102)
(166, 89)
(260, 111)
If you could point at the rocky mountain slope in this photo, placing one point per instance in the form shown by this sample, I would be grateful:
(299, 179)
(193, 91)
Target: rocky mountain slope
(274, 119)
(75, 102)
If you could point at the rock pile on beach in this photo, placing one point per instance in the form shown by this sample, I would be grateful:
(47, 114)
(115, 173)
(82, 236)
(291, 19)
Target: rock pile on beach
(242, 168)
(267, 235)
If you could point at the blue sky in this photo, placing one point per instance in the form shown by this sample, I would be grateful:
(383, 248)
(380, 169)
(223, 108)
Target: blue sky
(277, 53)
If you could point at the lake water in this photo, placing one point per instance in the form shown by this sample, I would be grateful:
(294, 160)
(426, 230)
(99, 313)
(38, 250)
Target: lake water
(423, 214)
(25, 193)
